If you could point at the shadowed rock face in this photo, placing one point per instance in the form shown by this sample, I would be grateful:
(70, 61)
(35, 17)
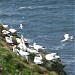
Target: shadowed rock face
(1, 28)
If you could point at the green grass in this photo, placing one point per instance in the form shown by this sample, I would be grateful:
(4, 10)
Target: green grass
(16, 65)
(13, 64)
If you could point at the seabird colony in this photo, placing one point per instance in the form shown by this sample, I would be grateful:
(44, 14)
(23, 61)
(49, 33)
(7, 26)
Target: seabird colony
(22, 47)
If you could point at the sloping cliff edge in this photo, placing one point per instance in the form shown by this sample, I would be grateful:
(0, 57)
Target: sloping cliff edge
(12, 64)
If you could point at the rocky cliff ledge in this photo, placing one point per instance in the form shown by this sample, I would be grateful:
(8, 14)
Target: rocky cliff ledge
(14, 64)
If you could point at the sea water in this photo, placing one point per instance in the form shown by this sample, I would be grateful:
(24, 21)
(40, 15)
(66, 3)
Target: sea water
(44, 22)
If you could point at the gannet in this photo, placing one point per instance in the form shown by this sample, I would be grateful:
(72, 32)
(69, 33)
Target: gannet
(21, 26)
(5, 26)
(37, 47)
(67, 37)
(51, 56)
(12, 30)
(38, 59)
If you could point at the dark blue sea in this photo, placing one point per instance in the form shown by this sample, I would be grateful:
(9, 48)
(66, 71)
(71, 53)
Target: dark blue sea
(44, 22)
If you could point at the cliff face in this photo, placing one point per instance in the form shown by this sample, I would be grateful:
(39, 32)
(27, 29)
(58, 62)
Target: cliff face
(12, 64)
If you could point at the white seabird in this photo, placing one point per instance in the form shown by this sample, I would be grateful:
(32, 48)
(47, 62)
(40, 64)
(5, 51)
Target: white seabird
(21, 26)
(67, 37)
(5, 32)
(12, 30)
(25, 40)
(9, 40)
(37, 47)
(32, 50)
(24, 54)
(18, 40)
(5, 26)
(22, 45)
(51, 56)
(38, 59)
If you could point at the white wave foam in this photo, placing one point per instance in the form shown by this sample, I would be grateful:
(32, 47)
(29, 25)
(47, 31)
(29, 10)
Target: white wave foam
(22, 7)
(26, 7)
(38, 7)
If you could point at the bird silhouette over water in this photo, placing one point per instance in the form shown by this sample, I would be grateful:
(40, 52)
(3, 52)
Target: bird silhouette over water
(67, 37)
(21, 26)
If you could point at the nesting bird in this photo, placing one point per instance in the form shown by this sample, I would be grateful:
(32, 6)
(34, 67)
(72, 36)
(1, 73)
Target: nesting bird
(32, 50)
(12, 30)
(5, 26)
(24, 54)
(5, 32)
(9, 40)
(37, 47)
(38, 59)
(51, 56)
